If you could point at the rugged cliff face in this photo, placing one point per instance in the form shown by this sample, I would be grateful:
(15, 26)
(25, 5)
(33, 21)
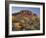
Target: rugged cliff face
(25, 20)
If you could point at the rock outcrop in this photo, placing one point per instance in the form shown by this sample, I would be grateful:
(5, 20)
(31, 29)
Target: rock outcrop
(25, 20)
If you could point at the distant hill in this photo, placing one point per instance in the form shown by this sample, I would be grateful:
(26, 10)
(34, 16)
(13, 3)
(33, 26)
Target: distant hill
(24, 12)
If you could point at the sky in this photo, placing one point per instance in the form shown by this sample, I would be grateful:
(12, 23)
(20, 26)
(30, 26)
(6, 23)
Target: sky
(33, 9)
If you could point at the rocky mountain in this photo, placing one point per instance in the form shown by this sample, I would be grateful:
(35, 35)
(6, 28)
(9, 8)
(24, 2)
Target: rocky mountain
(25, 20)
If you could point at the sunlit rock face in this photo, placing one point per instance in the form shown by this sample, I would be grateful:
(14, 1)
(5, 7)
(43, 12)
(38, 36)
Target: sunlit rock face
(25, 20)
